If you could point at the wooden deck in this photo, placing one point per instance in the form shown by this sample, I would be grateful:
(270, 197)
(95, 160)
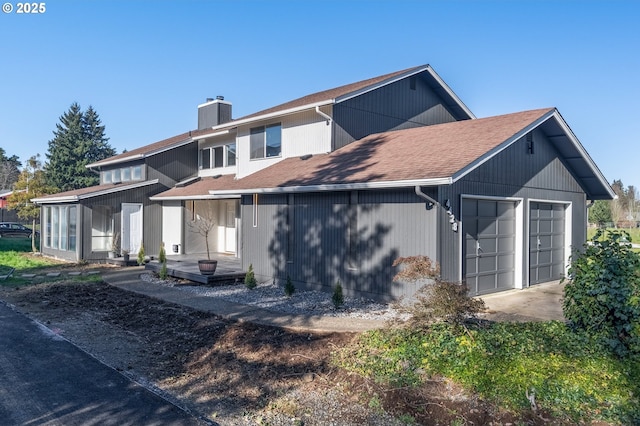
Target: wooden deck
(228, 271)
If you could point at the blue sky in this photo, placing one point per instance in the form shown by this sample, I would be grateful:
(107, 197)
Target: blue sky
(146, 65)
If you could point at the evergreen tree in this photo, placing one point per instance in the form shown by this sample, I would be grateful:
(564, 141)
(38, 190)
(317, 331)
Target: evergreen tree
(9, 170)
(600, 213)
(79, 139)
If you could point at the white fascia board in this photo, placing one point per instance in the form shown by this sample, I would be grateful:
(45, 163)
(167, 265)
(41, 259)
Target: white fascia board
(381, 84)
(215, 101)
(213, 134)
(339, 187)
(583, 152)
(450, 92)
(488, 156)
(289, 111)
(140, 156)
(75, 198)
(119, 160)
(167, 148)
(427, 68)
(195, 197)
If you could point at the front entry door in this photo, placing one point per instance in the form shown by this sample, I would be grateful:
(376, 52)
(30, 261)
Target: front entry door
(131, 227)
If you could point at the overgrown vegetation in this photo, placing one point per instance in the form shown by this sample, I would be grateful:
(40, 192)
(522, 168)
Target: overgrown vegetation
(565, 373)
(436, 300)
(541, 366)
(602, 296)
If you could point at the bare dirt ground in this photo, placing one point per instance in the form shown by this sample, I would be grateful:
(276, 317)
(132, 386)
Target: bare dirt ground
(231, 373)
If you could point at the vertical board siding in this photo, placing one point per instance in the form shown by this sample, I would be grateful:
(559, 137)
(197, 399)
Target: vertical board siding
(152, 218)
(388, 224)
(392, 107)
(174, 165)
(515, 173)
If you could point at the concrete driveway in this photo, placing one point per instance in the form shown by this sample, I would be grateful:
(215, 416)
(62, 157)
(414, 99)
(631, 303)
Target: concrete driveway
(540, 302)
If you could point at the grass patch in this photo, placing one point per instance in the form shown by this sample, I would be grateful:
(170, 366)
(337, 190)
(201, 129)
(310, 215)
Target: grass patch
(15, 253)
(573, 378)
(634, 233)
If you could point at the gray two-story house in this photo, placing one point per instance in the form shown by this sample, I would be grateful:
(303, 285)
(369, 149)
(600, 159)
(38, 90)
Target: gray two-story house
(335, 185)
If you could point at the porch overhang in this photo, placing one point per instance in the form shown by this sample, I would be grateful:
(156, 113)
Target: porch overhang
(79, 195)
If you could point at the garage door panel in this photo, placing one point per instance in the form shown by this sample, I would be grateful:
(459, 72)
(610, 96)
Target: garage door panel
(486, 264)
(505, 262)
(487, 226)
(544, 257)
(487, 208)
(505, 280)
(489, 244)
(506, 244)
(486, 283)
(546, 242)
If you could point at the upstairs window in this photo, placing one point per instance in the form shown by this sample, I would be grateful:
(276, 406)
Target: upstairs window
(266, 141)
(123, 174)
(218, 156)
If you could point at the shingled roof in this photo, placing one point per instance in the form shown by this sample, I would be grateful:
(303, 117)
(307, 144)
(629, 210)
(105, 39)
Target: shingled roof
(146, 150)
(430, 154)
(323, 97)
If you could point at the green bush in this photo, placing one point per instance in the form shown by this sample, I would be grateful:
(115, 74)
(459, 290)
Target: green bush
(289, 288)
(250, 278)
(141, 254)
(162, 257)
(337, 298)
(163, 274)
(602, 295)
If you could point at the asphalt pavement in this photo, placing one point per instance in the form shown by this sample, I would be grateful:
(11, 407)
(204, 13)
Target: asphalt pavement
(45, 380)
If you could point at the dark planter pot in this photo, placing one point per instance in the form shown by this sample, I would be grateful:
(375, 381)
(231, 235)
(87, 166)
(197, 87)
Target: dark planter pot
(125, 257)
(207, 267)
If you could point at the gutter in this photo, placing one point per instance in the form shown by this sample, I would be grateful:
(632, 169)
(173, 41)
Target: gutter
(336, 187)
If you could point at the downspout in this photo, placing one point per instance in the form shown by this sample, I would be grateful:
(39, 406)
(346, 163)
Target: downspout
(329, 120)
(325, 116)
(425, 197)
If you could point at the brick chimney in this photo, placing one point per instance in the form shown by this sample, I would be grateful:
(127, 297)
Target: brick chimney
(213, 112)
